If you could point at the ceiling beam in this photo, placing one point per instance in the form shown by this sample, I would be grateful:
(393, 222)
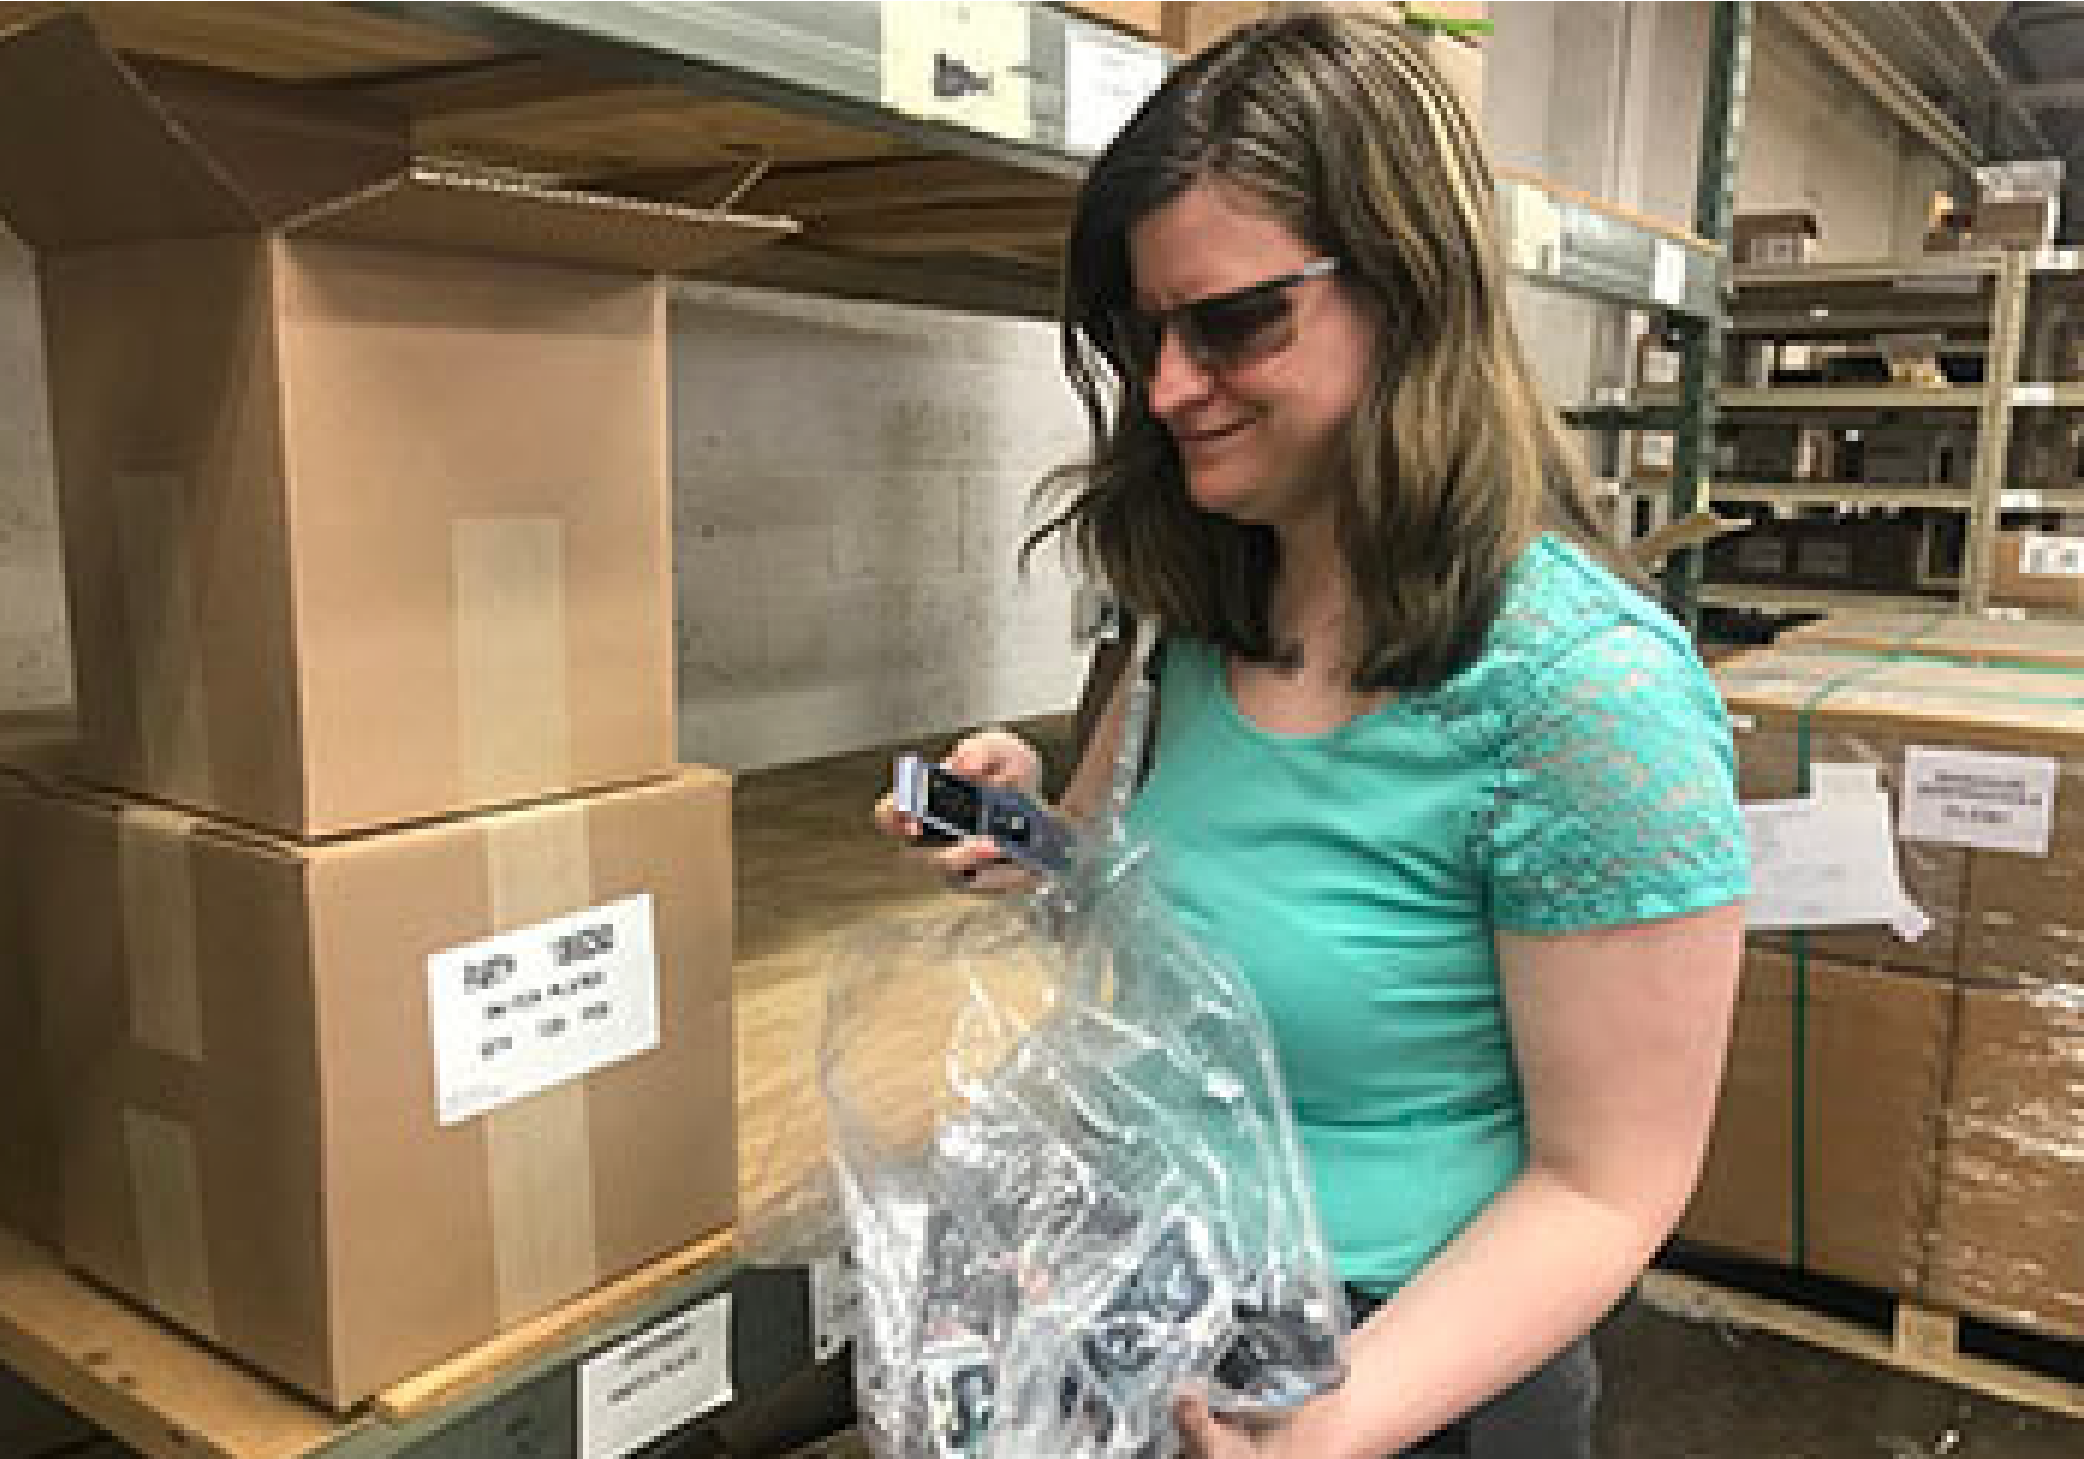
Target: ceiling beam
(1857, 57)
(1995, 81)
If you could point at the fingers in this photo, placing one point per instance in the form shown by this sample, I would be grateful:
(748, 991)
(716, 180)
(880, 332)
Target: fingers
(997, 757)
(1198, 1431)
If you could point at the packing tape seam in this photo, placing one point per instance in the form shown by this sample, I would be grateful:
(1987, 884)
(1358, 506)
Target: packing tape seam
(1799, 943)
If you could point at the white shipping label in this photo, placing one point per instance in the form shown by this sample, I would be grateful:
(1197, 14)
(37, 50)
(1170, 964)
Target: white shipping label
(1976, 798)
(655, 1380)
(1537, 230)
(1668, 273)
(518, 1013)
(1827, 861)
(2051, 557)
(1105, 80)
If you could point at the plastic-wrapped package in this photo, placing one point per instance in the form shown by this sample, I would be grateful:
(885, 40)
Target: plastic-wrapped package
(1964, 1196)
(1070, 1177)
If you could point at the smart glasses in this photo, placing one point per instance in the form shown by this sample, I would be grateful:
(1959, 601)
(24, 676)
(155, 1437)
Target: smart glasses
(1221, 331)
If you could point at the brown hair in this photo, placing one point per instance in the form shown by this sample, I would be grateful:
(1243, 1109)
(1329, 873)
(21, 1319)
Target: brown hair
(1333, 121)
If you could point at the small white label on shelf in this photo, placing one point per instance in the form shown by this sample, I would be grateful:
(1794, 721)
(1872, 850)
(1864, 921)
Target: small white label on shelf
(1667, 273)
(835, 1306)
(1742, 723)
(1537, 231)
(2064, 259)
(2020, 501)
(1974, 798)
(948, 61)
(2051, 557)
(1105, 80)
(515, 1014)
(655, 1380)
(1827, 860)
(2033, 395)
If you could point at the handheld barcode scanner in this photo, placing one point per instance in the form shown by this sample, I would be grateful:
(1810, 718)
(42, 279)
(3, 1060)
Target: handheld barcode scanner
(950, 808)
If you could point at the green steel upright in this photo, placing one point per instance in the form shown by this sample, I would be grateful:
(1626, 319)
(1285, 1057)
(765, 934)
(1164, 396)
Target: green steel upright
(1722, 117)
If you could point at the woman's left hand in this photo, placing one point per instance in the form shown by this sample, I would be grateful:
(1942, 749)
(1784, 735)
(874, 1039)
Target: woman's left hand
(1207, 1437)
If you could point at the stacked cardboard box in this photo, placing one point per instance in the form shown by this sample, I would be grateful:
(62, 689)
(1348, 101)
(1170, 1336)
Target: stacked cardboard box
(1449, 31)
(1775, 240)
(1966, 1199)
(378, 947)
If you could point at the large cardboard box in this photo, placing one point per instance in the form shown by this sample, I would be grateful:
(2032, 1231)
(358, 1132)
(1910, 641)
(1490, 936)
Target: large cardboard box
(29, 1171)
(1193, 25)
(1872, 1048)
(2009, 1243)
(1954, 637)
(1774, 240)
(346, 1110)
(362, 464)
(2038, 570)
(1986, 765)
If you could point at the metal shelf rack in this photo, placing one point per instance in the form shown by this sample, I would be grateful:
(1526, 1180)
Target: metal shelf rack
(1981, 303)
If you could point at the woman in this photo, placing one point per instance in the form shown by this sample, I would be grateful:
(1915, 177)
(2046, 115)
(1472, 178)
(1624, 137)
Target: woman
(1455, 796)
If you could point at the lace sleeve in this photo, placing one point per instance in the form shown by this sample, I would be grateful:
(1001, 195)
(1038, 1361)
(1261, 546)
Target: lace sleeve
(1616, 794)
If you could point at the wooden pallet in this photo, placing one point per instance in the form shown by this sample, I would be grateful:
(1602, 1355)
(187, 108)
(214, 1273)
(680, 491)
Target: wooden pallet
(173, 1398)
(1906, 1335)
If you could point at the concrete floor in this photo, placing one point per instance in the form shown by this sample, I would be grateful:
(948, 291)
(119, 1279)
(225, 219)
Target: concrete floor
(808, 866)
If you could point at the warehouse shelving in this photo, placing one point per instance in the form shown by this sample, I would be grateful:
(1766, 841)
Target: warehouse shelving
(1982, 302)
(818, 113)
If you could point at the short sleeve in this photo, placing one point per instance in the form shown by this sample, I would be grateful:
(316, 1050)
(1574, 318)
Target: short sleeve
(1615, 797)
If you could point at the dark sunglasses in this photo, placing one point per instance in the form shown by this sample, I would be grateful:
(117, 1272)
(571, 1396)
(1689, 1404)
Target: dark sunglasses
(1221, 331)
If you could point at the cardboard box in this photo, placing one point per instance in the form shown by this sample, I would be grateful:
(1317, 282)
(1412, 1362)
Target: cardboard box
(362, 466)
(29, 1173)
(281, 1120)
(2000, 788)
(2018, 222)
(1906, 456)
(1652, 455)
(2038, 570)
(1874, 1049)
(2009, 1242)
(1957, 638)
(1193, 25)
(1145, 18)
(1872, 552)
(1779, 453)
(40, 742)
(1770, 748)
(1775, 240)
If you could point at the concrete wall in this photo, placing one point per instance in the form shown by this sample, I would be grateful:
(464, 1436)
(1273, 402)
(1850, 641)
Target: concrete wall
(851, 491)
(35, 668)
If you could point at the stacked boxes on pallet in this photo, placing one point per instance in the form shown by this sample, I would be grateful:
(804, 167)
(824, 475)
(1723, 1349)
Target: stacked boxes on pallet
(1904, 1114)
(380, 947)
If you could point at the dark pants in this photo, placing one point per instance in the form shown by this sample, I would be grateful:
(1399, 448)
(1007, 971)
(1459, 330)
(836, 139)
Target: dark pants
(1547, 1415)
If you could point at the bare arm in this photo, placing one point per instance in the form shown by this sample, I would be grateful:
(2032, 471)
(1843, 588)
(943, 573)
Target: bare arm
(1619, 1035)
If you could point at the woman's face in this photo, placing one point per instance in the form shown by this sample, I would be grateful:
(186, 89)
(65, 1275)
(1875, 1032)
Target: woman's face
(1257, 407)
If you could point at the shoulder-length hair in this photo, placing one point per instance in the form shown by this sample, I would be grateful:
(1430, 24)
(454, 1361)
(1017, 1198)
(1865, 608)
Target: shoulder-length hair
(1334, 122)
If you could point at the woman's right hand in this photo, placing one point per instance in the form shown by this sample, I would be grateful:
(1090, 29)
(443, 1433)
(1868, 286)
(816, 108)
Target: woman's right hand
(990, 757)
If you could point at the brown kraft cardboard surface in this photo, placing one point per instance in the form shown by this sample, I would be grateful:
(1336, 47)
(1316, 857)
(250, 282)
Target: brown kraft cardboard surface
(263, 1133)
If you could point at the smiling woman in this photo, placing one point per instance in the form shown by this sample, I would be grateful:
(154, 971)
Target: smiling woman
(1450, 791)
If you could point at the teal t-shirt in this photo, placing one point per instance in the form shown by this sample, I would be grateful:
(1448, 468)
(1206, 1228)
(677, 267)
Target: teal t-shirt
(1577, 774)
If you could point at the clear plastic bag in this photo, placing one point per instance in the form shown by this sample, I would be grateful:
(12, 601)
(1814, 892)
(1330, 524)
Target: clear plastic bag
(1070, 1180)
